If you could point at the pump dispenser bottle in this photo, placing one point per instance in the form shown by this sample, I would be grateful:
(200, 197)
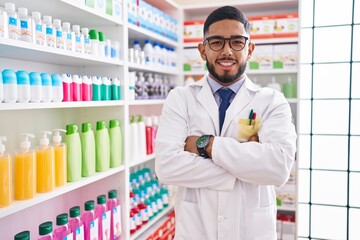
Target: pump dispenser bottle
(45, 170)
(102, 142)
(73, 144)
(24, 170)
(116, 148)
(59, 158)
(5, 175)
(88, 150)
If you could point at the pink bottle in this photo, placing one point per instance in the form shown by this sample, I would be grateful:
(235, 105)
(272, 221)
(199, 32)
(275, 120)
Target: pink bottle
(86, 88)
(149, 133)
(89, 221)
(61, 229)
(67, 87)
(76, 85)
(45, 231)
(100, 210)
(113, 205)
(75, 224)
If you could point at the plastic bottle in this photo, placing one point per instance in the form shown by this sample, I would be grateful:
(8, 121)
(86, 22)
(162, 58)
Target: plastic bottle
(105, 89)
(24, 235)
(137, 51)
(25, 170)
(108, 48)
(116, 148)
(26, 33)
(59, 36)
(103, 218)
(45, 169)
(46, 87)
(10, 86)
(149, 133)
(76, 87)
(94, 40)
(289, 88)
(73, 144)
(274, 84)
(13, 23)
(23, 83)
(115, 89)
(115, 224)
(35, 87)
(155, 123)
(6, 171)
(3, 26)
(157, 54)
(96, 88)
(69, 35)
(50, 35)
(102, 44)
(1, 89)
(149, 52)
(87, 43)
(57, 88)
(39, 34)
(115, 52)
(62, 229)
(45, 231)
(102, 143)
(79, 39)
(142, 138)
(88, 150)
(132, 78)
(76, 226)
(59, 158)
(67, 87)
(89, 221)
(86, 88)
(134, 142)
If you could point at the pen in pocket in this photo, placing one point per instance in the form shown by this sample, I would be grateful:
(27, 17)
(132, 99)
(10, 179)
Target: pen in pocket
(251, 116)
(254, 119)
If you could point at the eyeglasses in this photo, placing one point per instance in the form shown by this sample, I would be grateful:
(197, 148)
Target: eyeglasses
(217, 43)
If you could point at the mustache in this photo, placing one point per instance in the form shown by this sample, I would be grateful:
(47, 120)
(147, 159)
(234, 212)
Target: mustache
(226, 58)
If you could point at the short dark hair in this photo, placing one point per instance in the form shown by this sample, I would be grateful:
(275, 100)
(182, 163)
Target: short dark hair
(226, 12)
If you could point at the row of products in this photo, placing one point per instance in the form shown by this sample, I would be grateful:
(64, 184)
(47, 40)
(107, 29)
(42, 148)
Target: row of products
(50, 166)
(142, 136)
(152, 54)
(45, 31)
(285, 226)
(143, 14)
(101, 221)
(113, 7)
(165, 231)
(24, 87)
(147, 198)
(149, 85)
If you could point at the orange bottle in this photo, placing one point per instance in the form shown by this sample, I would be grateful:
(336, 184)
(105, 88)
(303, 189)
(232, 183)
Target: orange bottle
(45, 166)
(24, 170)
(5, 176)
(60, 158)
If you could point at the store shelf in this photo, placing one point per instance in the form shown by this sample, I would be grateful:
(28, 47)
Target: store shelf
(147, 102)
(271, 71)
(146, 159)
(16, 49)
(286, 208)
(164, 5)
(292, 100)
(154, 69)
(28, 106)
(20, 205)
(194, 73)
(150, 223)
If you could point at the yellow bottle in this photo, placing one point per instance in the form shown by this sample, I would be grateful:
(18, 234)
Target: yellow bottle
(45, 167)
(24, 170)
(60, 158)
(5, 176)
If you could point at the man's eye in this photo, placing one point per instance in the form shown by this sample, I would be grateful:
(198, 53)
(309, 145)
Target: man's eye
(216, 43)
(237, 42)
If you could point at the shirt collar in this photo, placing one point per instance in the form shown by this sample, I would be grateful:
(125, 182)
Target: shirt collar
(235, 87)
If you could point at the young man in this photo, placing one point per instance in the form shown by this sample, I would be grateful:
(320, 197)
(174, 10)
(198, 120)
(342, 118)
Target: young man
(225, 142)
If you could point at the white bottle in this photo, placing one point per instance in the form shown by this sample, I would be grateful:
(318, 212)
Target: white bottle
(35, 87)
(57, 88)
(137, 51)
(134, 142)
(108, 48)
(39, 29)
(115, 50)
(69, 36)
(50, 35)
(87, 44)
(1, 89)
(79, 41)
(3, 24)
(46, 87)
(132, 76)
(10, 86)
(23, 83)
(157, 54)
(142, 138)
(274, 84)
(59, 35)
(149, 53)
(26, 33)
(13, 21)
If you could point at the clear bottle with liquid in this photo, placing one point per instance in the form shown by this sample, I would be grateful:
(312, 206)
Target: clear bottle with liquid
(76, 226)
(87, 43)
(59, 158)
(59, 35)
(26, 32)
(39, 34)
(45, 231)
(45, 167)
(6, 171)
(79, 39)
(13, 21)
(49, 31)
(69, 36)
(3, 26)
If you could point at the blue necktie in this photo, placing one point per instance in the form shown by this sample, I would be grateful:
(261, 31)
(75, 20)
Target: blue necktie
(225, 94)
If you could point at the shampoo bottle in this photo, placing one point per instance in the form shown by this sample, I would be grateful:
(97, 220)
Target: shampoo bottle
(39, 33)
(59, 158)
(115, 89)
(112, 204)
(76, 226)
(86, 88)
(24, 170)
(88, 150)
(102, 142)
(5, 176)
(62, 229)
(90, 222)
(13, 23)
(10, 86)
(105, 89)
(76, 86)
(26, 32)
(45, 169)
(73, 144)
(23, 82)
(67, 87)
(96, 88)
(49, 30)
(46, 87)
(103, 218)
(45, 231)
(35, 87)
(116, 153)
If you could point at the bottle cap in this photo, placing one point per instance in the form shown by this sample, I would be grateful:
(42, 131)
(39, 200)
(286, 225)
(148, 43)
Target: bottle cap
(148, 41)
(22, 77)
(76, 79)
(115, 81)
(66, 77)
(44, 140)
(45, 79)
(155, 120)
(101, 199)
(57, 22)
(101, 37)
(36, 16)
(140, 119)
(100, 125)
(71, 129)
(112, 194)
(148, 121)
(56, 80)
(96, 80)
(86, 127)
(25, 143)
(93, 34)
(132, 119)
(9, 76)
(74, 211)
(89, 205)
(86, 79)
(106, 80)
(10, 6)
(22, 11)
(2, 145)
(45, 228)
(25, 235)
(57, 136)
(35, 78)
(47, 19)
(85, 31)
(62, 219)
(114, 123)
(66, 25)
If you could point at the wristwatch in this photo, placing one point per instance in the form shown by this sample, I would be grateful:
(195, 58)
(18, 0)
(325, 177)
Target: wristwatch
(201, 144)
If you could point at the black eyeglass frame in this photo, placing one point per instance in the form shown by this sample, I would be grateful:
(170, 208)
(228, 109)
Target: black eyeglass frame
(222, 38)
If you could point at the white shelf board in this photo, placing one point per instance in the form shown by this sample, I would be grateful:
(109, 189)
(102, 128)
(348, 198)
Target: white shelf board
(151, 223)
(147, 102)
(146, 159)
(164, 5)
(52, 105)
(17, 49)
(286, 208)
(154, 69)
(292, 100)
(20, 205)
(270, 71)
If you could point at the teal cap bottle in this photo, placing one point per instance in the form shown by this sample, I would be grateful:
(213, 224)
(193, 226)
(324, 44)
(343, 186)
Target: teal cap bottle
(96, 88)
(116, 148)
(102, 146)
(74, 154)
(87, 149)
(25, 235)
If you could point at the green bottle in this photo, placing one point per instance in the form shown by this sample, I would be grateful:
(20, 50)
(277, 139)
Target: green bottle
(116, 148)
(87, 149)
(102, 142)
(73, 144)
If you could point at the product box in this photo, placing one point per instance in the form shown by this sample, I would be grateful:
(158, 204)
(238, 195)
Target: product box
(286, 25)
(142, 9)
(193, 61)
(100, 6)
(193, 31)
(262, 58)
(117, 9)
(261, 27)
(132, 12)
(285, 56)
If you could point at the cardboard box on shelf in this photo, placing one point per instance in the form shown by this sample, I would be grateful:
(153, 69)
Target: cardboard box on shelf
(193, 31)
(285, 56)
(261, 26)
(262, 58)
(286, 25)
(193, 61)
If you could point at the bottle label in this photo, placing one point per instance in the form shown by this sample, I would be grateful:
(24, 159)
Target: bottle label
(39, 34)
(50, 39)
(69, 42)
(106, 225)
(78, 47)
(68, 237)
(14, 30)
(94, 226)
(38, 28)
(24, 24)
(79, 233)
(59, 40)
(12, 21)
(117, 221)
(25, 30)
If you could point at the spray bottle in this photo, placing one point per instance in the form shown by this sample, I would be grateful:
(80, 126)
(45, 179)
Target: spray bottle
(59, 158)
(5, 175)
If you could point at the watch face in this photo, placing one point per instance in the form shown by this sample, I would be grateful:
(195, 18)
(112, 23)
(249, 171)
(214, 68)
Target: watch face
(203, 141)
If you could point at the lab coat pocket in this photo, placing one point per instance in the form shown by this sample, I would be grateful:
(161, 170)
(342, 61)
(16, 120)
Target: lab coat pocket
(245, 130)
(189, 224)
(260, 223)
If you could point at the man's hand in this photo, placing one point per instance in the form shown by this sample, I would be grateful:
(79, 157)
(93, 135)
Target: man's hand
(254, 138)
(190, 144)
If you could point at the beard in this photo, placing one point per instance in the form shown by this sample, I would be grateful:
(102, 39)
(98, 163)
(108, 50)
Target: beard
(226, 78)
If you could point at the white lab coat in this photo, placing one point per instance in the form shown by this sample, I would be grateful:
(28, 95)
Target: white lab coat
(231, 196)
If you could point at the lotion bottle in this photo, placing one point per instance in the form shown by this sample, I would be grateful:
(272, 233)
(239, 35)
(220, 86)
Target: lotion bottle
(116, 148)
(88, 150)
(73, 144)
(59, 158)
(102, 142)
(6, 172)
(45, 169)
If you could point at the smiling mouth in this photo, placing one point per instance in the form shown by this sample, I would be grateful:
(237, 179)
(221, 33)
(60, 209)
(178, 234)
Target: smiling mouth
(226, 62)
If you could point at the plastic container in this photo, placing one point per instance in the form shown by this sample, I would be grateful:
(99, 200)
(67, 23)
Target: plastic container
(274, 84)
(96, 88)
(102, 143)
(87, 43)
(149, 52)
(6, 171)
(45, 231)
(134, 142)
(76, 86)
(23, 83)
(45, 166)
(49, 32)
(35, 87)
(57, 88)
(69, 36)
(62, 230)
(79, 39)
(108, 48)
(289, 88)
(59, 158)
(39, 28)
(26, 29)
(13, 21)
(73, 144)
(112, 204)
(90, 222)
(103, 218)
(115, 50)
(115, 89)
(149, 134)
(76, 226)
(25, 170)
(3, 24)
(102, 44)
(1, 89)
(88, 150)
(105, 89)
(142, 138)
(24, 235)
(67, 87)
(94, 40)
(46, 88)
(10, 86)
(59, 36)
(116, 148)
(86, 88)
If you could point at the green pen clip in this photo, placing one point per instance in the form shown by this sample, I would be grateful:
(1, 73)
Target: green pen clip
(251, 115)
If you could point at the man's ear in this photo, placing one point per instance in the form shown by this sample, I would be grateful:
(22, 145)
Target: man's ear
(201, 48)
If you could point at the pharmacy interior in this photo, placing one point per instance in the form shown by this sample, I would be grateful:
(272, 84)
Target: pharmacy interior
(82, 87)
